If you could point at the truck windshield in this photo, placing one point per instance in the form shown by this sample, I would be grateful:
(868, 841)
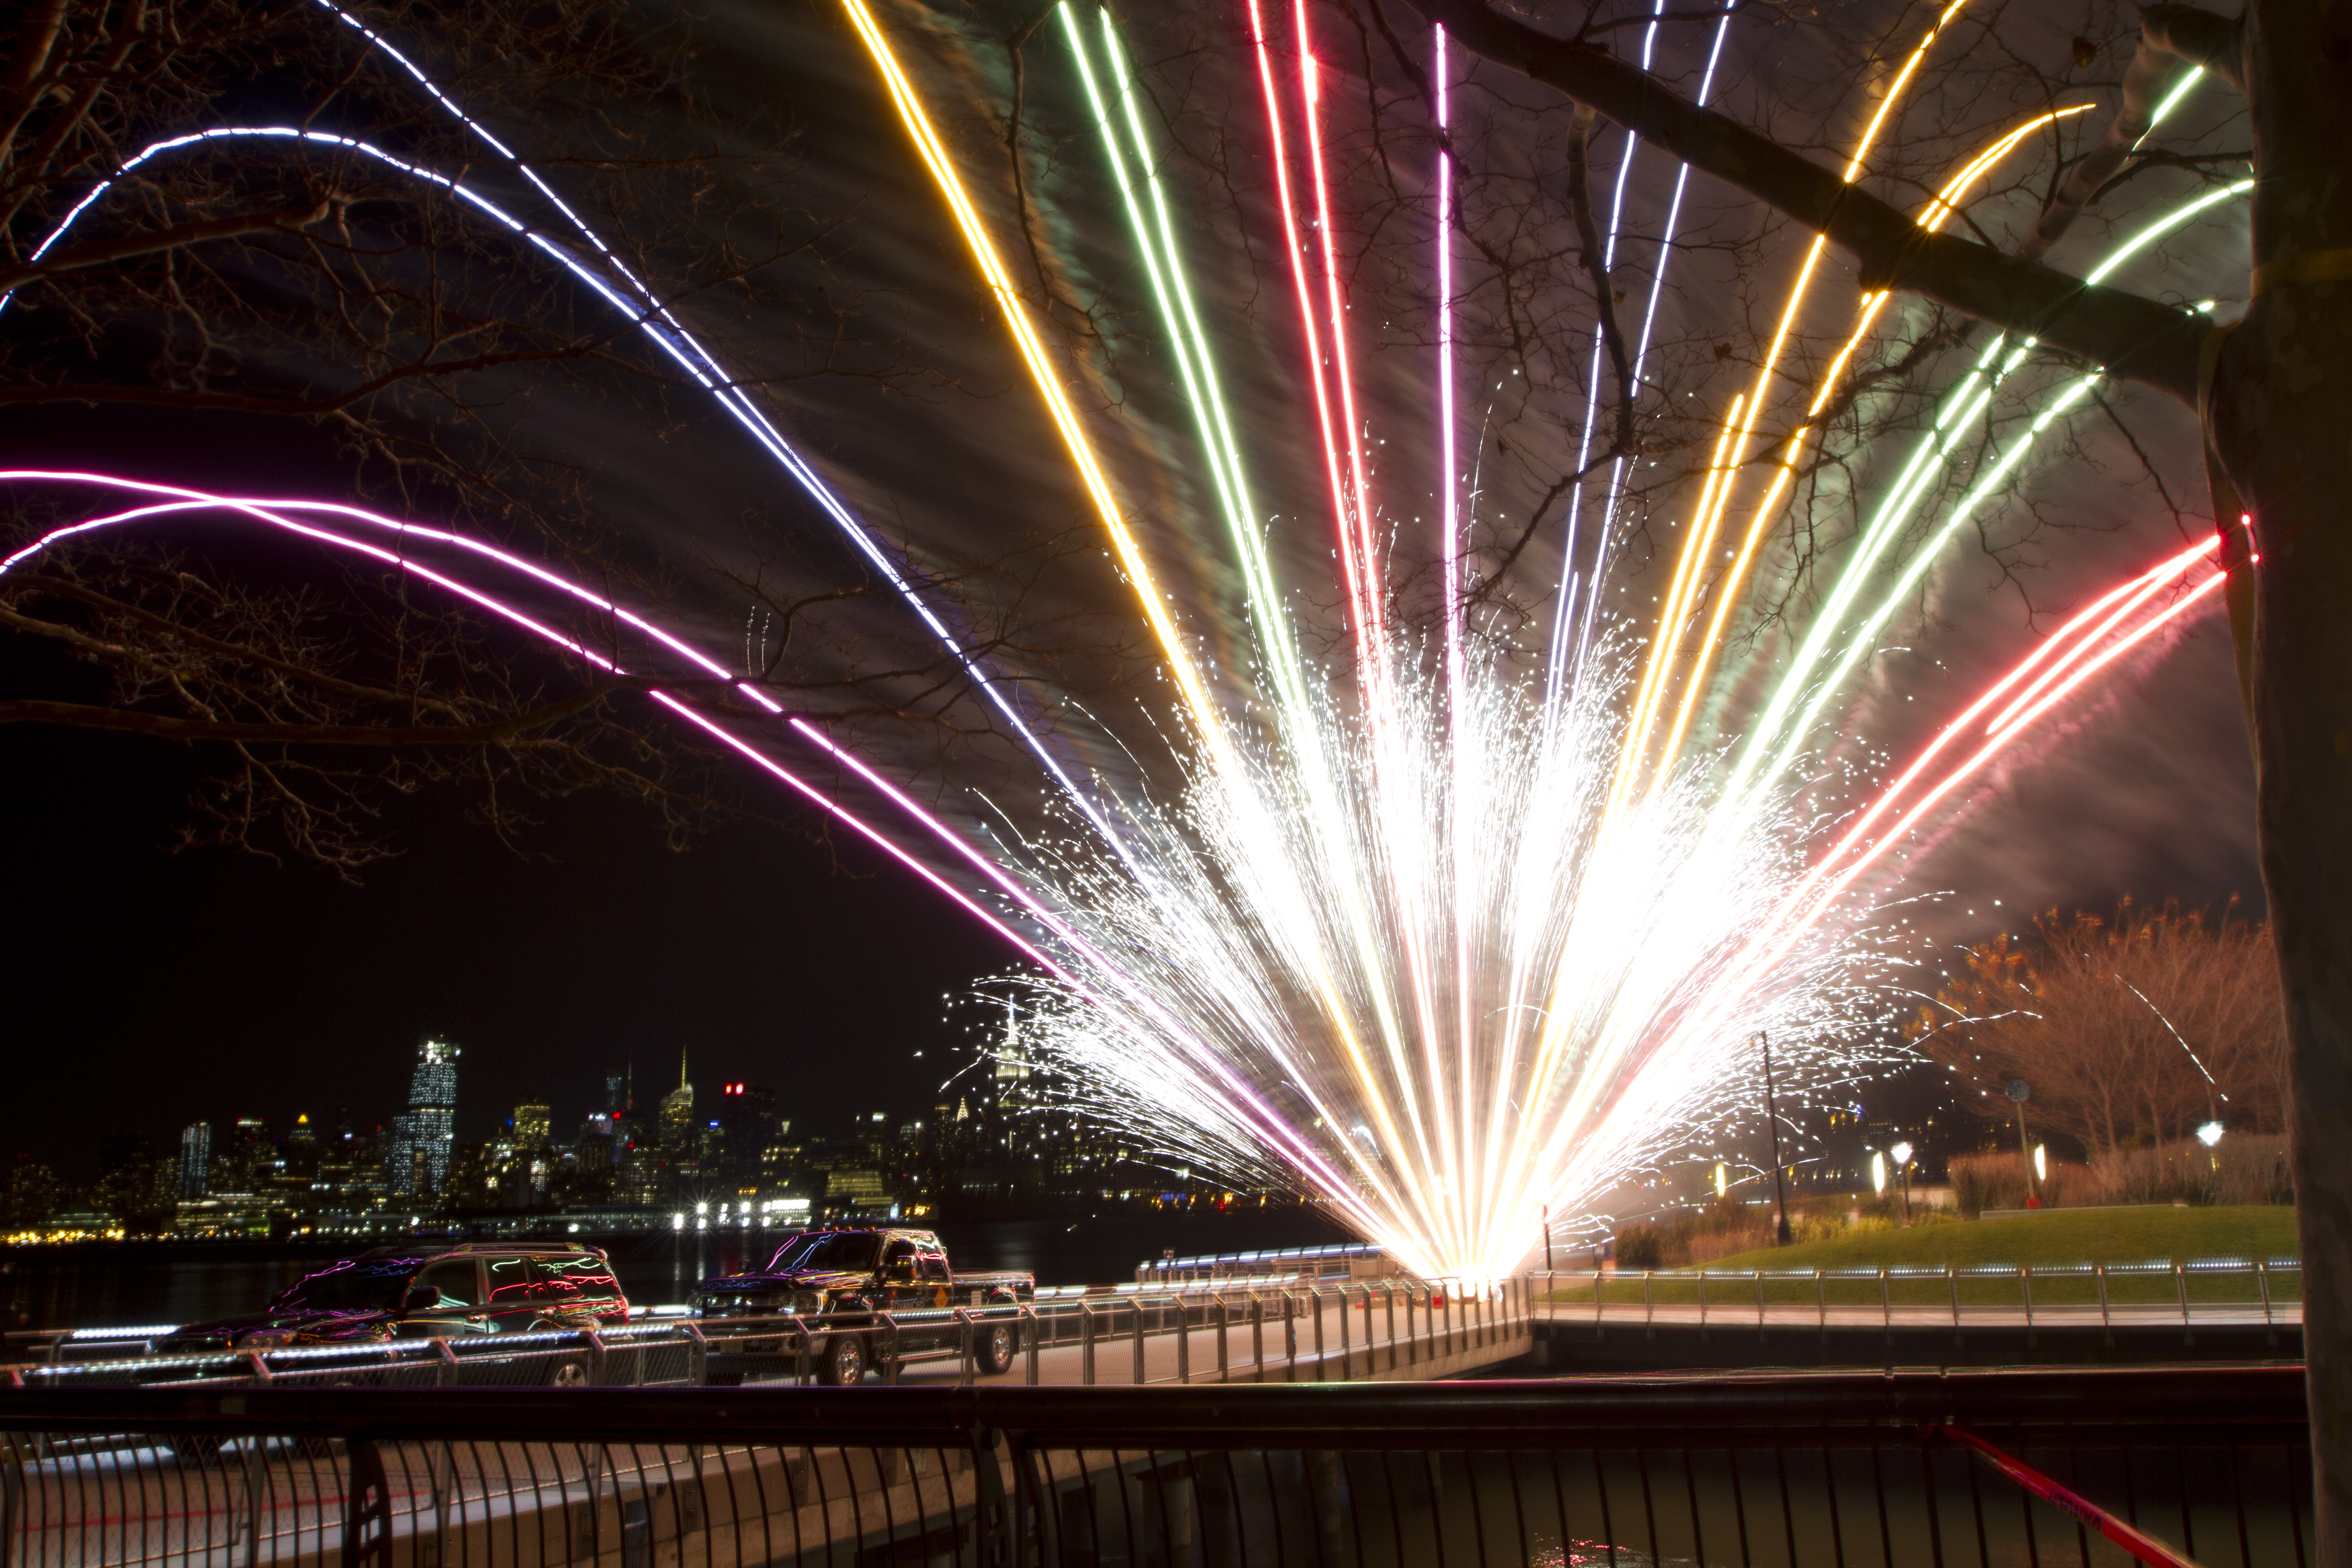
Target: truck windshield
(846, 1251)
(354, 1284)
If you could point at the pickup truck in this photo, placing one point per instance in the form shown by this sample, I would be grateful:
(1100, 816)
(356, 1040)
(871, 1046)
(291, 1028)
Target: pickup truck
(865, 1293)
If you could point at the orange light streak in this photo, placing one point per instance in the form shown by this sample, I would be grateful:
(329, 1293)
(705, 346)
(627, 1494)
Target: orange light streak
(1931, 218)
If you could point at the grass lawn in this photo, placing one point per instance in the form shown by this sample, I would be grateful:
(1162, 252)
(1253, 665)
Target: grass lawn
(2059, 1237)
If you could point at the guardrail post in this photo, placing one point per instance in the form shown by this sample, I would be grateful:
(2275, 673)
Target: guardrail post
(1412, 1342)
(1315, 1304)
(2026, 1294)
(1597, 1330)
(2180, 1278)
(1225, 1372)
(1086, 1344)
(803, 1356)
(1886, 1305)
(1138, 1338)
(963, 1348)
(1760, 1306)
(367, 1512)
(2261, 1278)
(1649, 1305)
(697, 1354)
(1821, 1301)
(248, 1523)
(1702, 1304)
(1347, 1349)
(1290, 1329)
(595, 1357)
(1028, 1315)
(2106, 1322)
(1952, 1281)
(892, 1360)
(1183, 1339)
(1257, 1332)
(444, 1371)
(1389, 1291)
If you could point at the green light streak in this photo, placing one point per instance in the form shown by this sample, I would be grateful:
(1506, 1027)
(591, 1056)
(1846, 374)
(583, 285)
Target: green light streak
(1880, 535)
(1170, 284)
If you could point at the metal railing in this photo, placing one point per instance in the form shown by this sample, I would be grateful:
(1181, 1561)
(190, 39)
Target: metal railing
(2241, 1292)
(1339, 1260)
(1289, 1333)
(2024, 1467)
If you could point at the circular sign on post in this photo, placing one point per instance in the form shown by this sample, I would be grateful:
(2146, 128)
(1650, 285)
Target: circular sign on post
(2018, 1091)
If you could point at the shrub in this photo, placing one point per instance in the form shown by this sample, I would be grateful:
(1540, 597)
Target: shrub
(1640, 1246)
(2245, 1168)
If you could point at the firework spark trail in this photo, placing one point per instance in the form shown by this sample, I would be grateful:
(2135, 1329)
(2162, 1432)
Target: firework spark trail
(1229, 941)
(1792, 736)
(654, 319)
(1240, 1105)
(273, 510)
(1165, 269)
(1608, 1065)
(1556, 655)
(1821, 891)
(1725, 590)
(1254, 927)
(1353, 573)
(1723, 480)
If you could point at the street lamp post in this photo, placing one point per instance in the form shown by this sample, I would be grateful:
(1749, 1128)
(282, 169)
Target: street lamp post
(2018, 1092)
(1772, 1117)
(1902, 1152)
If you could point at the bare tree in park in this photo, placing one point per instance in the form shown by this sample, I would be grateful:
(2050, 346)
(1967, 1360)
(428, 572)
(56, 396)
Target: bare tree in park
(2138, 1028)
(2270, 397)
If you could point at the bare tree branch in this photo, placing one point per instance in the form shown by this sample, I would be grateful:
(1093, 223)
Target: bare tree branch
(2129, 336)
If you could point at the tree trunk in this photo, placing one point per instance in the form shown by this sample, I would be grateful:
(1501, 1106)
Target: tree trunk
(2278, 422)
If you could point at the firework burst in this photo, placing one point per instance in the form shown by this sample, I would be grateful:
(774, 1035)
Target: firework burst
(1451, 934)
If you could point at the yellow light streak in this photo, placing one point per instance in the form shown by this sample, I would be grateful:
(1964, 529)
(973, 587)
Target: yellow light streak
(1131, 559)
(1931, 218)
(1655, 675)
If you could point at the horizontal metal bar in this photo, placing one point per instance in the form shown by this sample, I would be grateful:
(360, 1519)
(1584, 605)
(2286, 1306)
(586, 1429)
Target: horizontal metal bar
(2256, 1403)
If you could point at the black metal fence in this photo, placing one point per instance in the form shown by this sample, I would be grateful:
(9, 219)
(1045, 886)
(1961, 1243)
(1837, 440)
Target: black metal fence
(2027, 1466)
(1252, 1331)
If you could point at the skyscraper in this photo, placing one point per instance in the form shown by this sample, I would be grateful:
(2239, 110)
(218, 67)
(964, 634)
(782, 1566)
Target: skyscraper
(534, 1124)
(746, 1126)
(195, 1160)
(677, 1129)
(416, 1158)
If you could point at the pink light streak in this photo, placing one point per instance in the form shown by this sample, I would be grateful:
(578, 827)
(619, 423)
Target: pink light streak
(1268, 1122)
(1367, 558)
(1810, 899)
(652, 318)
(1367, 650)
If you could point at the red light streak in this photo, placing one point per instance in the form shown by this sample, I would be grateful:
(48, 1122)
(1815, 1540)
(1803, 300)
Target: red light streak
(1367, 650)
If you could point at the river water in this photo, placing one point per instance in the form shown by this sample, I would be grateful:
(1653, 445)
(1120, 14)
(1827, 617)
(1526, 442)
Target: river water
(120, 1285)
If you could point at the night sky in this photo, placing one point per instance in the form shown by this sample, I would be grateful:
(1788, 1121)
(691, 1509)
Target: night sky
(149, 988)
(153, 989)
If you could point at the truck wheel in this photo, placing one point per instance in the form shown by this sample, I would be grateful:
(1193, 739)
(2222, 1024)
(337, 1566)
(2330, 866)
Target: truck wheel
(999, 1341)
(569, 1372)
(841, 1363)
